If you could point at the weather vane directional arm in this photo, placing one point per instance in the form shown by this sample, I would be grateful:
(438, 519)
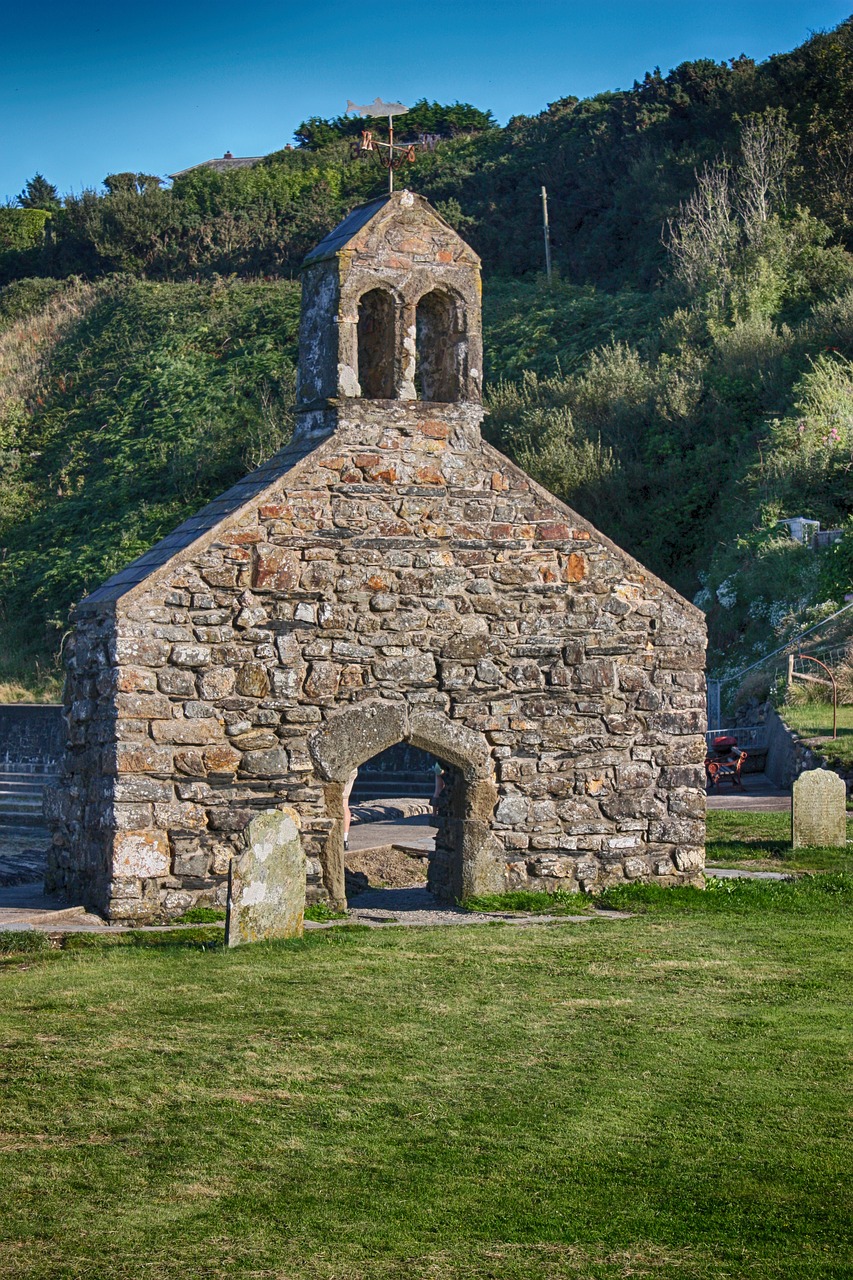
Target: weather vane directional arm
(392, 154)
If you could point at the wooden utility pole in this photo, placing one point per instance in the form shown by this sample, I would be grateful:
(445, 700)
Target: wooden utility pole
(547, 232)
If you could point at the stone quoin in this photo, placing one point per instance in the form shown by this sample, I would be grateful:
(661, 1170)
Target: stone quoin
(387, 577)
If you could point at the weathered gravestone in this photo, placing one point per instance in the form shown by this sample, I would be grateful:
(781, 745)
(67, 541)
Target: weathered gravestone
(267, 898)
(818, 810)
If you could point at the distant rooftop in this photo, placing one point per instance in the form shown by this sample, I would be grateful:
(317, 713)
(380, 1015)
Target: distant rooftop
(225, 165)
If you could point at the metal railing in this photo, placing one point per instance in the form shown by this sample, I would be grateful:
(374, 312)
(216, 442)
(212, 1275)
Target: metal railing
(749, 737)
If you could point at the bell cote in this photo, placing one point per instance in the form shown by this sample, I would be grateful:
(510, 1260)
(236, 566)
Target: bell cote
(391, 310)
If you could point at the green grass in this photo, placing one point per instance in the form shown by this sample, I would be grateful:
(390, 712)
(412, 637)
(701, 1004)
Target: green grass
(762, 841)
(660, 1096)
(201, 915)
(16, 941)
(559, 903)
(814, 721)
(320, 913)
(799, 895)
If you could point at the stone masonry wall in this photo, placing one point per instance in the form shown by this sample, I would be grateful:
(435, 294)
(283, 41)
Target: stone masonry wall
(402, 561)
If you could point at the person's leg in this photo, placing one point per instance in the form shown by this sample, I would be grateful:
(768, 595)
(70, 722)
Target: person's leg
(347, 814)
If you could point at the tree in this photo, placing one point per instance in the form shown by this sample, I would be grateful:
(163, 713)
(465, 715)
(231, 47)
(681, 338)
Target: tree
(131, 183)
(767, 147)
(423, 117)
(40, 194)
(703, 237)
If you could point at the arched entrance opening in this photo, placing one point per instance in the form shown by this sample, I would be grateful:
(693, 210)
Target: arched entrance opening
(467, 859)
(398, 809)
(376, 345)
(441, 347)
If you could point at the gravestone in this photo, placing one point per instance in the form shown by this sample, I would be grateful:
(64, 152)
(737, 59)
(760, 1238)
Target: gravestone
(267, 897)
(819, 810)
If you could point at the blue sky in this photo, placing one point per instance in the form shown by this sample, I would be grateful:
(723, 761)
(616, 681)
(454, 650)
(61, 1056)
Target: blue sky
(93, 88)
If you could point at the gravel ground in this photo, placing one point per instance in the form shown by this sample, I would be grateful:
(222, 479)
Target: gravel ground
(417, 907)
(386, 867)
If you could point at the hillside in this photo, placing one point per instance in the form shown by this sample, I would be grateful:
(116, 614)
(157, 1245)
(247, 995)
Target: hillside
(616, 167)
(125, 406)
(682, 390)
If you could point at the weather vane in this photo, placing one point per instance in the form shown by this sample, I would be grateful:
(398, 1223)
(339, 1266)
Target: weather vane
(392, 154)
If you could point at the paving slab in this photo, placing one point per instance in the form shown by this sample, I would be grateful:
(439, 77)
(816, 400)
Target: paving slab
(734, 873)
(757, 795)
(23, 854)
(415, 832)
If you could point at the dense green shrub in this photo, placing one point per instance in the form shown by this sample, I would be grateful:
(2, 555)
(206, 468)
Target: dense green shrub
(24, 297)
(21, 228)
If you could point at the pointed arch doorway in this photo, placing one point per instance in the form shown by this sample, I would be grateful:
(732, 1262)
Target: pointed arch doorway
(468, 858)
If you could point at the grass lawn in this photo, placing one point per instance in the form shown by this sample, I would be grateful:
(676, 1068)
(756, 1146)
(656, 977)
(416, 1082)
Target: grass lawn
(660, 1096)
(814, 721)
(762, 841)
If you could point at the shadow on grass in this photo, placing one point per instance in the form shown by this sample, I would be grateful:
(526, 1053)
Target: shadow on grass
(753, 838)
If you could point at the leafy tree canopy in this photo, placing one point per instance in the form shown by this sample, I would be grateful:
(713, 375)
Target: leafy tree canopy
(38, 193)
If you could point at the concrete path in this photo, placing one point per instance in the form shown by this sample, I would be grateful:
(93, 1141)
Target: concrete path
(757, 795)
(415, 832)
(419, 907)
(733, 873)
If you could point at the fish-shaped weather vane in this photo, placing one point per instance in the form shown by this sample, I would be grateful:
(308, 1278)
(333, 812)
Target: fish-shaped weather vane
(377, 108)
(392, 154)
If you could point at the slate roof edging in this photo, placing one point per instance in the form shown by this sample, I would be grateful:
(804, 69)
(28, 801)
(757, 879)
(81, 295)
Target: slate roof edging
(199, 530)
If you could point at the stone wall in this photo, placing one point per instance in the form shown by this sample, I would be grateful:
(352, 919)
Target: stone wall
(401, 564)
(788, 756)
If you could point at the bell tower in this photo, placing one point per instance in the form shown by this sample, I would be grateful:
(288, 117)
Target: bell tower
(391, 313)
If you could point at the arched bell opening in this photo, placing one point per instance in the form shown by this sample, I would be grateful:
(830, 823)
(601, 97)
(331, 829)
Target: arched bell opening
(441, 344)
(376, 345)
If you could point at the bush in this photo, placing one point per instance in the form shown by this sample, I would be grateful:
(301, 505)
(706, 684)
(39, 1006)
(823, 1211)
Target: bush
(21, 228)
(22, 298)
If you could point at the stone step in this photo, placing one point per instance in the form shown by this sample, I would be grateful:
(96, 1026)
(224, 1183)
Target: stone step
(41, 768)
(20, 804)
(21, 786)
(19, 816)
(379, 788)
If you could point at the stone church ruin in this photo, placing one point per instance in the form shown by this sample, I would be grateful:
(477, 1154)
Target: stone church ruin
(389, 577)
